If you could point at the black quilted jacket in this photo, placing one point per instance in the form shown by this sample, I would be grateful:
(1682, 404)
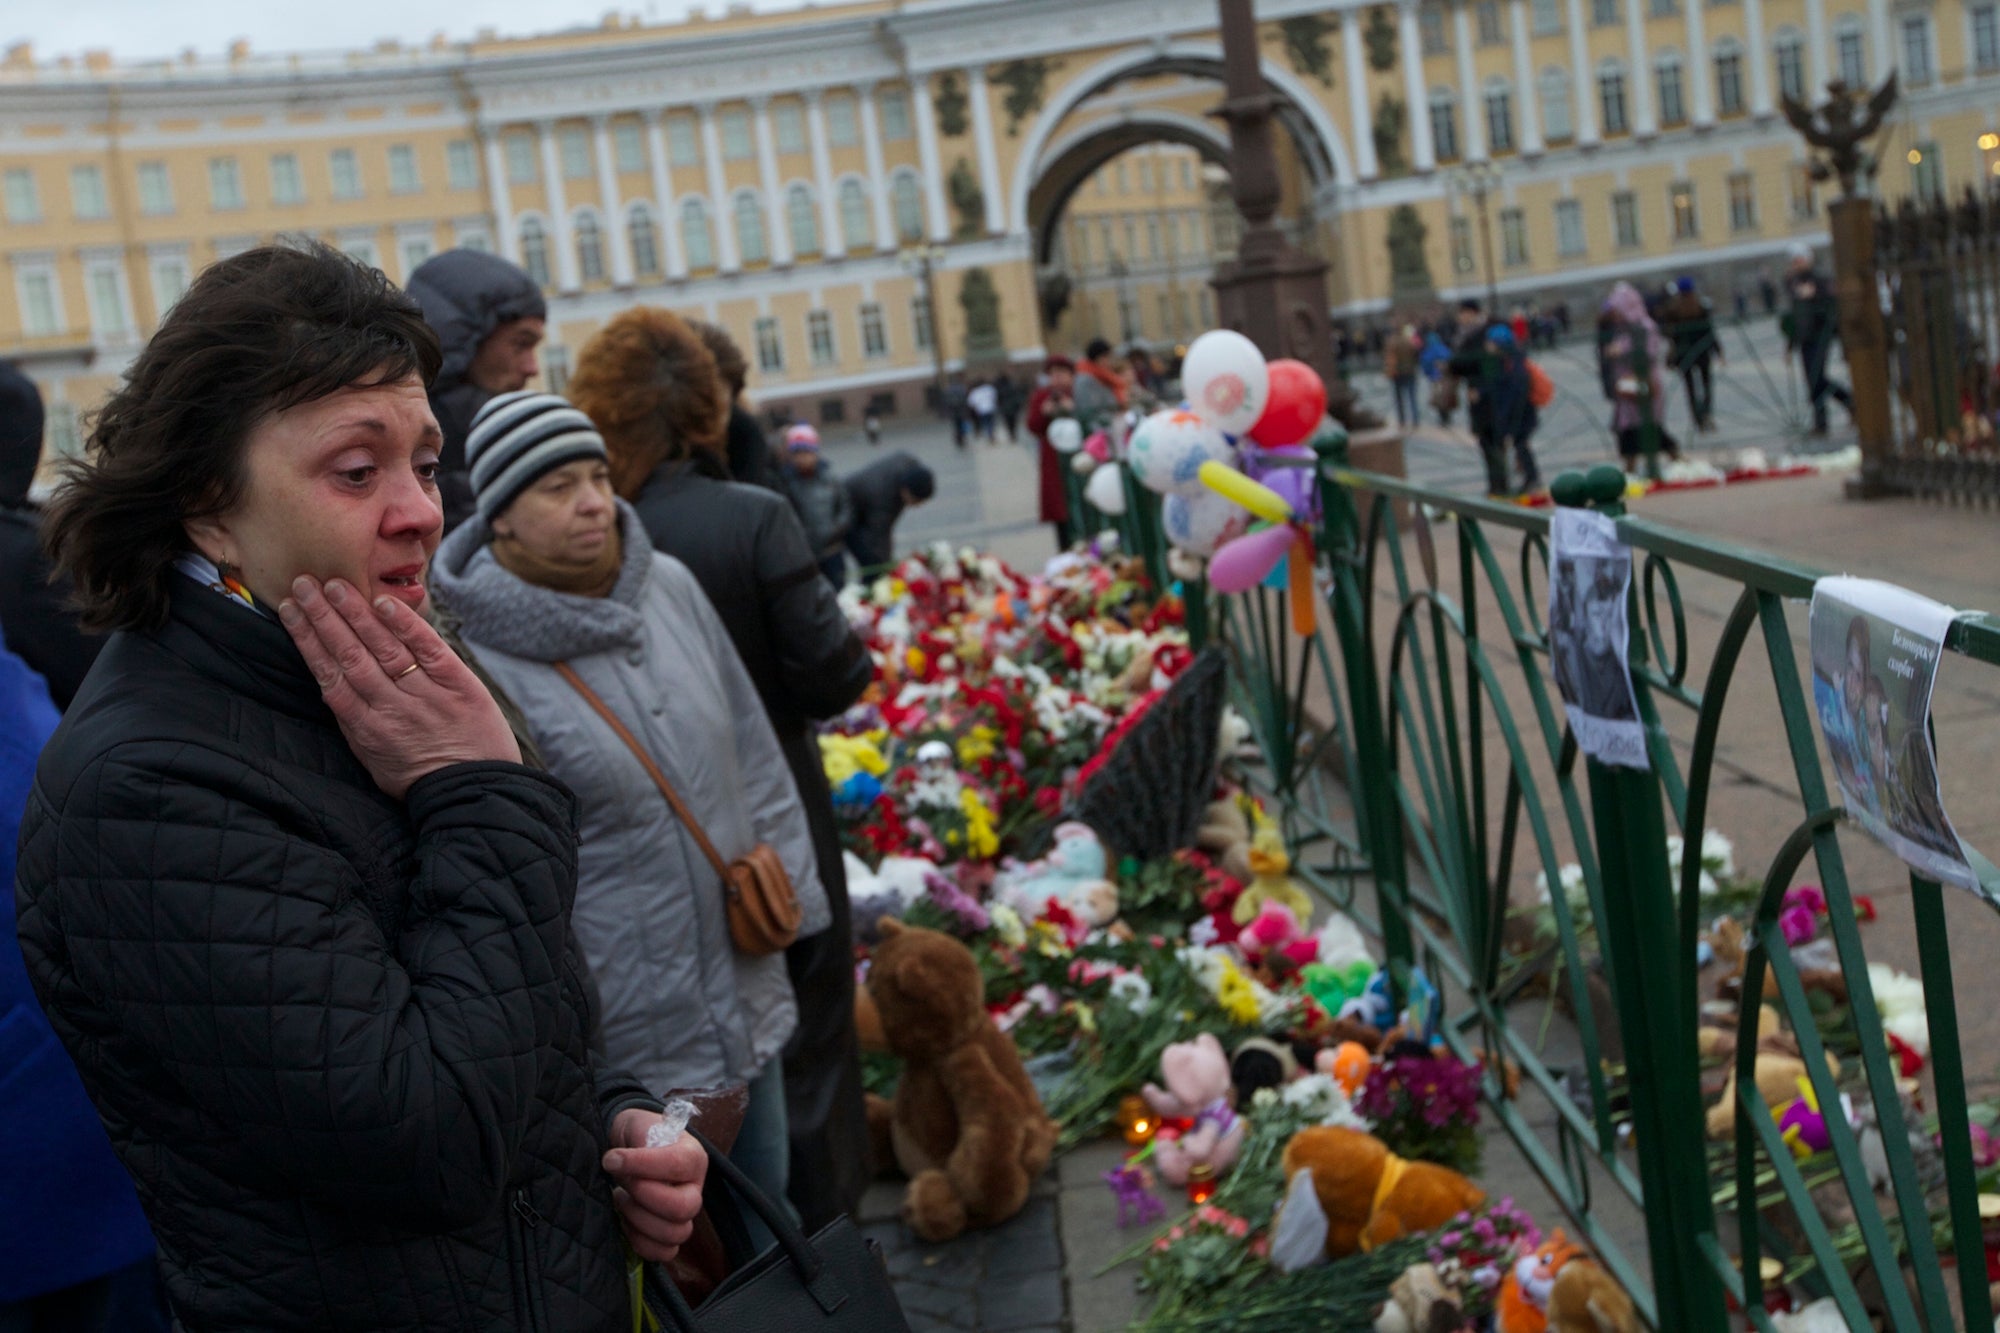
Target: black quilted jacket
(338, 1040)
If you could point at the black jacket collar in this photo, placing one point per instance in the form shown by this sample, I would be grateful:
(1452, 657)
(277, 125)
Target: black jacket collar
(251, 655)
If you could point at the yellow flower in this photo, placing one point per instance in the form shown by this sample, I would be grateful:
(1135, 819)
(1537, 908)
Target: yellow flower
(981, 841)
(914, 659)
(1007, 925)
(1237, 996)
(1086, 1019)
(844, 756)
(1048, 939)
(976, 744)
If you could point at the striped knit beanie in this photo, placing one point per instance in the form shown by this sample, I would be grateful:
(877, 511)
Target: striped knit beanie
(519, 437)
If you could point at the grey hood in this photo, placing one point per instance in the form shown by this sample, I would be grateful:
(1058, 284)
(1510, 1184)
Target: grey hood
(500, 610)
(465, 295)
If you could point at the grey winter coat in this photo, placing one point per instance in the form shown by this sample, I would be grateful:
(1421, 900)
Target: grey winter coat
(681, 1008)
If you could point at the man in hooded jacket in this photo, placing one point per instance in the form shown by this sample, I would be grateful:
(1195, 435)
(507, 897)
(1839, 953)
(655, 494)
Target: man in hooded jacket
(880, 493)
(489, 316)
(41, 627)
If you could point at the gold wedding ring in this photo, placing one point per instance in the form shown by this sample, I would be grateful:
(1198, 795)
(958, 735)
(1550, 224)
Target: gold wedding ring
(405, 671)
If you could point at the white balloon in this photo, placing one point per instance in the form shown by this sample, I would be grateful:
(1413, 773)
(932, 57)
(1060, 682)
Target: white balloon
(1082, 463)
(1106, 489)
(1198, 524)
(1065, 435)
(1226, 379)
(1167, 450)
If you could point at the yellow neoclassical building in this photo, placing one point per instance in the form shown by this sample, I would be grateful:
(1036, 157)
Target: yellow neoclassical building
(795, 176)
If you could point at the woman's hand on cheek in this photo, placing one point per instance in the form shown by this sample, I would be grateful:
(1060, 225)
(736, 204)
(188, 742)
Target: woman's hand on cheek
(658, 1190)
(407, 705)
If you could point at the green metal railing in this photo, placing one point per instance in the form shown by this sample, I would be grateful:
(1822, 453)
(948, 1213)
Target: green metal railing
(1427, 689)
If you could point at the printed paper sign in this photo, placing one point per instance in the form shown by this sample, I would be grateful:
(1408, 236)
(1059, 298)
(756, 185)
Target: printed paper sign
(1875, 651)
(1590, 574)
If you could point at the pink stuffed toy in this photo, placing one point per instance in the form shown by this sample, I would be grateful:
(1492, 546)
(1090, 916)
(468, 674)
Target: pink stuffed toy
(1274, 944)
(1198, 1088)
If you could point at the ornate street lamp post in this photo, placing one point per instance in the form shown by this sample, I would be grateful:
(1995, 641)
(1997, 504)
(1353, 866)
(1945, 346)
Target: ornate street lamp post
(921, 261)
(1479, 180)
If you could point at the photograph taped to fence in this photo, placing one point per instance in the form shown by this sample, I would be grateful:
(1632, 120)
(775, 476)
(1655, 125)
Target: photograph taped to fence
(1875, 652)
(1590, 574)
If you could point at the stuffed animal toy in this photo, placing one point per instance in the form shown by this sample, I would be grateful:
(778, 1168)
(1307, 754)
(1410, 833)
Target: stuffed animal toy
(1362, 1195)
(888, 890)
(966, 1125)
(1259, 1063)
(1778, 1079)
(1421, 1302)
(1198, 1086)
(1225, 836)
(1270, 879)
(1072, 874)
(1559, 1289)
(1274, 945)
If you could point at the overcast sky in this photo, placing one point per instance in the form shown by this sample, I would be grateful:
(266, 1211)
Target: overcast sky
(141, 29)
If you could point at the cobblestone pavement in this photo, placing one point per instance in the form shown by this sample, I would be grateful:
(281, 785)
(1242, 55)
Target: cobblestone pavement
(1005, 1280)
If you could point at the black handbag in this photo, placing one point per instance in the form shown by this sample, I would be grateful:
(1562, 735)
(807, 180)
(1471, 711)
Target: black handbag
(836, 1281)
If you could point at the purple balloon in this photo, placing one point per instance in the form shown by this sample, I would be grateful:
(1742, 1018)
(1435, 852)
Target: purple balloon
(1244, 562)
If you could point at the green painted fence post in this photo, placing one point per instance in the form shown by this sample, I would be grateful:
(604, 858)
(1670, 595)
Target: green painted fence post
(1640, 927)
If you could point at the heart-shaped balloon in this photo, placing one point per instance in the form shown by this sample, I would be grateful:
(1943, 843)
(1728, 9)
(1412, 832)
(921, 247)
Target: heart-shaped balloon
(1244, 562)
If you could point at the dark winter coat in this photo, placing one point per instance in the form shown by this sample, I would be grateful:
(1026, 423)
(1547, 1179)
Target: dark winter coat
(466, 295)
(749, 452)
(746, 549)
(1470, 362)
(824, 508)
(39, 623)
(877, 491)
(67, 1211)
(338, 1039)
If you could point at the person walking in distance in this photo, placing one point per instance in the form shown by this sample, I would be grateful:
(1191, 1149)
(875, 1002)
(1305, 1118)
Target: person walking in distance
(1690, 325)
(1399, 363)
(489, 317)
(1812, 324)
(1054, 397)
(1509, 394)
(820, 500)
(1012, 400)
(1632, 356)
(288, 891)
(982, 400)
(642, 383)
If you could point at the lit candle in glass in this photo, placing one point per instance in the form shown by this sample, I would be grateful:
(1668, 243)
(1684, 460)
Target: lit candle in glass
(1135, 1118)
(1201, 1183)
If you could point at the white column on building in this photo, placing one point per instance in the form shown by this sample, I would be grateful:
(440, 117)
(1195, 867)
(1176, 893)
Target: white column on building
(927, 156)
(778, 234)
(832, 243)
(496, 194)
(1882, 37)
(1357, 96)
(1700, 66)
(552, 190)
(989, 155)
(613, 208)
(878, 179)
(1816, 53)
(1472, 110)
(1415, 94)
(663, 197)
(1583, 95)
(720, 219)
(1527, 93)
(1757, 54)
(1639, 63)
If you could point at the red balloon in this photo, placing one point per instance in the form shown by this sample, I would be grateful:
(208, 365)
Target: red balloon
(1296, 404)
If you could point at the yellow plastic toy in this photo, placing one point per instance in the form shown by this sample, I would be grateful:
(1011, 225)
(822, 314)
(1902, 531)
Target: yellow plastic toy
(1270, 880)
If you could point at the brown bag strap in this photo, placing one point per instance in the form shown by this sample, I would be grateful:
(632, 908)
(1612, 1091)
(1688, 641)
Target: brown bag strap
(568, 673)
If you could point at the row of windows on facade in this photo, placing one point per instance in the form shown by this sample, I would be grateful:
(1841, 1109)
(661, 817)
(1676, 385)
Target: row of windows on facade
(21, 191)
(1547, 20)
(575, 155)
(1671, 103)
(1117, 172)
(767, 336)
(1182, 234)
(697, 236)
(1178, 317)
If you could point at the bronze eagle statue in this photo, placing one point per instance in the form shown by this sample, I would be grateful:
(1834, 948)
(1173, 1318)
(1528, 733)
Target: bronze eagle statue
(1840, 126)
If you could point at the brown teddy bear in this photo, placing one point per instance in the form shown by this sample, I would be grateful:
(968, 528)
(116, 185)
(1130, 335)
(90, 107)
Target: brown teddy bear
(966, 1126)
(1366, 1195)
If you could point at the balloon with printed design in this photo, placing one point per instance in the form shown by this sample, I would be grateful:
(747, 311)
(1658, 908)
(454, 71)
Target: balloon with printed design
(1065, 435)
(1167, 450)
(1199, 523)
(1296, 402)
(1226, 380)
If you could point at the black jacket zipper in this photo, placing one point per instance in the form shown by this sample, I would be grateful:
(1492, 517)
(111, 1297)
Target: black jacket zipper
(527, 1262)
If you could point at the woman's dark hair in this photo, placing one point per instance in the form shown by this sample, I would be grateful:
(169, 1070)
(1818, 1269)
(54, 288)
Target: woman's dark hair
(266, 330)
(729, 360)
(648, 382)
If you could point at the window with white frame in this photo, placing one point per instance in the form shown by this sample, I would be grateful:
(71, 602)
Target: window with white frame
(1499, 116)
(921, 332)
(642, 237)
(1444, 123)
(819, 338)
(86, 192)
(1926, 171)
(788, 126)
(555, 368)
(1918, 67)
(843, 129)
(472, 236)
(1492, 28)
(697, 237)
(1664, 9)
(225, 184)
(1625, 219)
(589, 247)
(403, 177)
(535, 250)
(752, 246)
(1187, 173)
(573, 151)
(906, 199)
(1431, 30)
(288, 184)
(736, 141)
(857, 226)
(628, 146)
(1547, 17)
(1742, 201)
(1667, 78)
(1986, 38)
(1728, 78)
(170, 281)
(1803, 191)
(1851, 57)
(802, 220)
(1611, 97)
(894, 108)
(65, 434)
(156, 189)
(1557, 123)
(1569, 229)
(23, 201)
(1152, 237)
(683, 141)
(770, 346)
(360, 249)
(41, 305)
(1788, 53)
(523, 165)
(1124, 179)
(1513, 238)
(345, 172)
(412, 251)
(461, 165)
(874, 334)
(1606, 14)
(1681, 207)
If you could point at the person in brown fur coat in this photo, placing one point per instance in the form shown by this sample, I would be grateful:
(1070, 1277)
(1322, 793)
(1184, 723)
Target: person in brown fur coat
(966, 1126)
